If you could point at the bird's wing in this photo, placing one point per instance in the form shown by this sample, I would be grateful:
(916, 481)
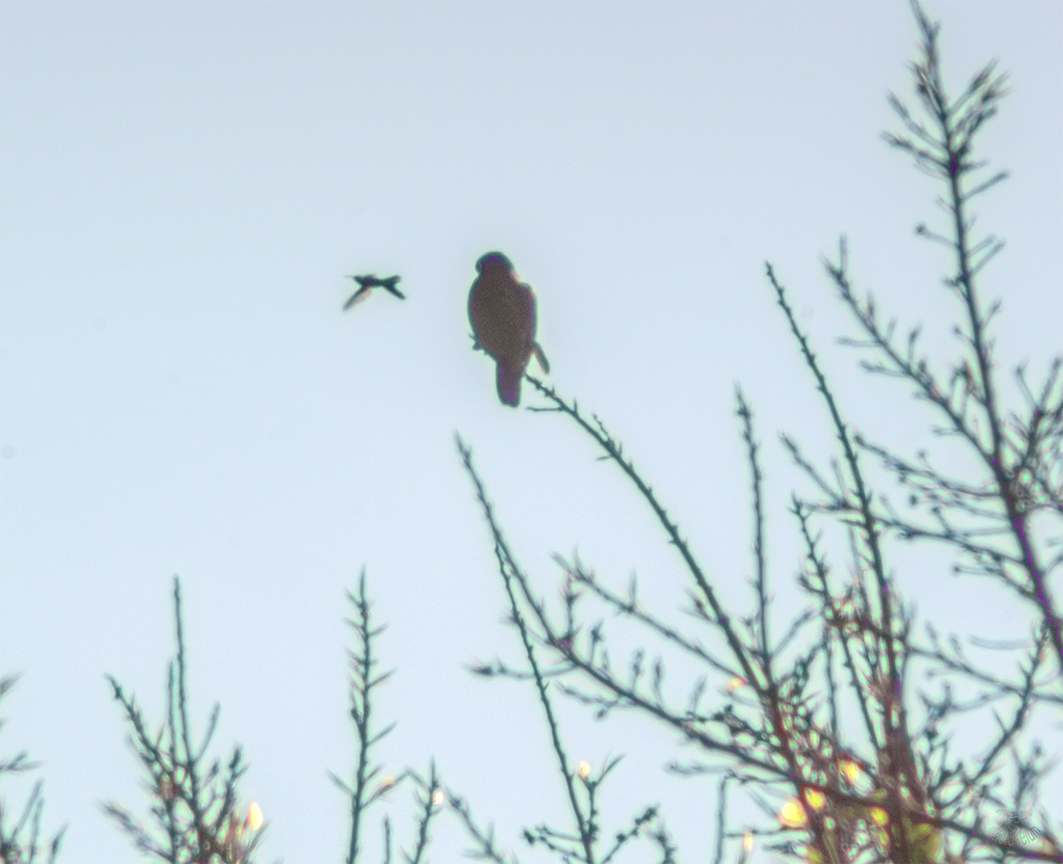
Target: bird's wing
(356, 297)
(528, 296)
(540, 355)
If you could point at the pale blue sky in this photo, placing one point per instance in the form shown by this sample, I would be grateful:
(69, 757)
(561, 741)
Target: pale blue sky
(183, 187)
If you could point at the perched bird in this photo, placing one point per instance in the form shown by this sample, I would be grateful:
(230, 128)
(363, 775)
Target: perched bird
(368, 283)
(502, 314)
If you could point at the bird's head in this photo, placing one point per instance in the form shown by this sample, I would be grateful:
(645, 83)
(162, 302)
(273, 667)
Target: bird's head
(493, 259)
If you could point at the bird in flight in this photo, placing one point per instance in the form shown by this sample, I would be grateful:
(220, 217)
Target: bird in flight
(368, 283)
(502, 314)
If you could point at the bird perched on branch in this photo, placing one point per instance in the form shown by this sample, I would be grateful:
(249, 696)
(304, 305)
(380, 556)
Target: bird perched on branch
(368, 283)
(502, 314)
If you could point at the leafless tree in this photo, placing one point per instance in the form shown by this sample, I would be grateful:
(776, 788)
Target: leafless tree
(827, 714)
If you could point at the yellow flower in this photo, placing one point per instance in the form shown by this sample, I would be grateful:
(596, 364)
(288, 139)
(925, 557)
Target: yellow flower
(850, 770)
(792, 814)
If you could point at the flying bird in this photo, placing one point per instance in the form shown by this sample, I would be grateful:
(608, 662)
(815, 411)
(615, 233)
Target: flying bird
(502, 314)
(368, 283)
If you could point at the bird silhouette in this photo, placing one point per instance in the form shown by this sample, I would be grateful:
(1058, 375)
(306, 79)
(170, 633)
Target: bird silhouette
(502, 314)
(368, 283)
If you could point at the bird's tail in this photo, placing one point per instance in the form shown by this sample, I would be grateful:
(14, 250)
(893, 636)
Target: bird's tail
(509, 377)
